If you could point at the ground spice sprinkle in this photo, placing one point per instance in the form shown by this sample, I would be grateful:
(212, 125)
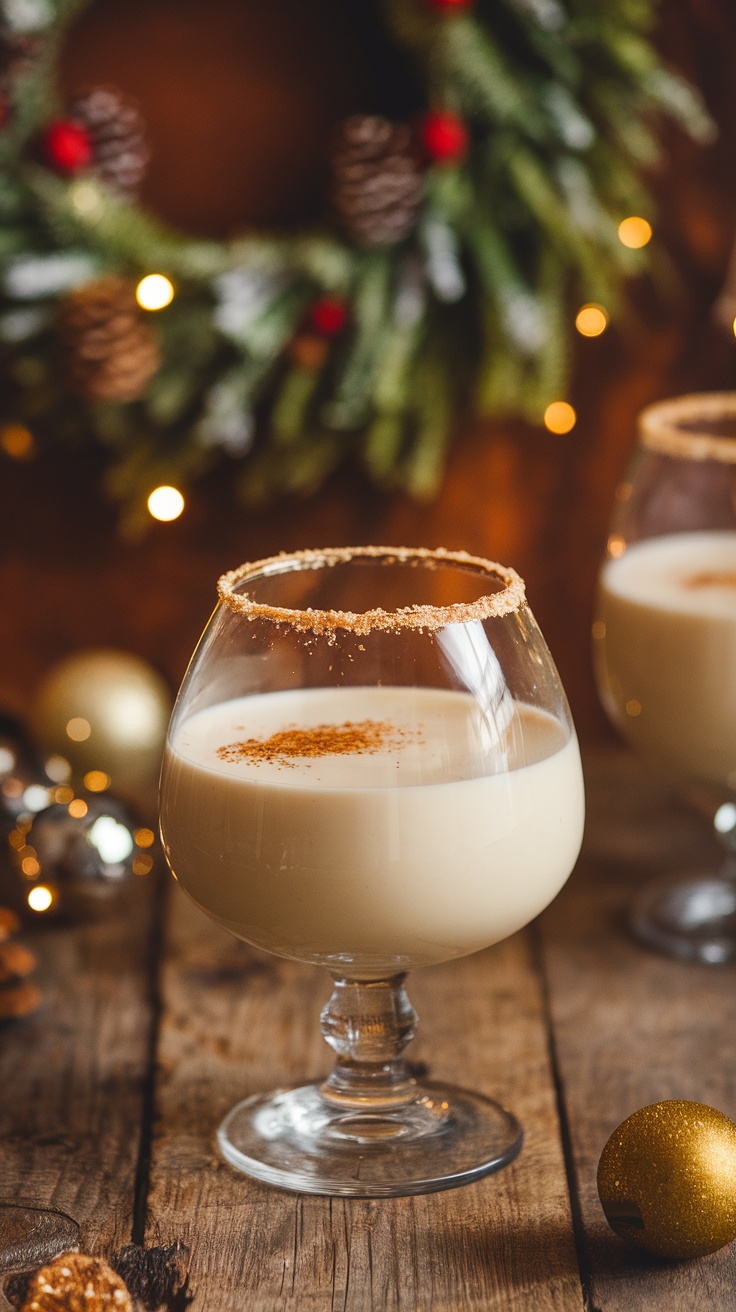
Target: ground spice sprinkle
(716, 579)
(288, 745)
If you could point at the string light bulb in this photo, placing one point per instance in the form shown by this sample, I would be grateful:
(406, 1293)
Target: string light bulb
(559, 417)
(165, 503)
(154, 292)
(634, 232)
(40, 898)
(591, 320)
(17, 441)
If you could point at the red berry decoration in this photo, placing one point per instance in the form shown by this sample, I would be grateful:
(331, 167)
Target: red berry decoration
(328, 316)
(68, 145)
(445, 137)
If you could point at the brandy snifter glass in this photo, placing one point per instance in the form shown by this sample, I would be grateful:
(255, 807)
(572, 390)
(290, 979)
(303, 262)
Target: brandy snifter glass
(371, 766)
(665, 647)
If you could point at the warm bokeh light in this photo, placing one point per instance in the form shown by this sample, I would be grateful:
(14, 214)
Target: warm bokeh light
(17, 441)
(165, 503)
(633, 707)
(142, 864)
(591, 320)
(78, 808)
(634, 232)
(30, 867)
(78, 729)
(63, 794)
(40, 898)
(559, 417)
(144, 837)
(154, 292)
(96, 781)
(598, 629)
(58, 769)
(616, 546)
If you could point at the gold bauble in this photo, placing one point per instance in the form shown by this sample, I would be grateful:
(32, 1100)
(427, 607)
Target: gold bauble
(105, 710)
(667, 1179)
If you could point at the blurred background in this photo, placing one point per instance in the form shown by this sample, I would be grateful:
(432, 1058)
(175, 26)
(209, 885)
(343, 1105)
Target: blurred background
(518, 494)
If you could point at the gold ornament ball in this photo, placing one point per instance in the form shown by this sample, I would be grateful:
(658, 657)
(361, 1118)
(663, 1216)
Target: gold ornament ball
(667, 1179)
(105, 710)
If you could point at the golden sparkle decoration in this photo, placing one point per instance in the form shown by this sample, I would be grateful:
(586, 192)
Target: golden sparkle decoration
(667, 1179)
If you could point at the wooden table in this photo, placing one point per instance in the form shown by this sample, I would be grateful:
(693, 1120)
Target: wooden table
(156, 1022)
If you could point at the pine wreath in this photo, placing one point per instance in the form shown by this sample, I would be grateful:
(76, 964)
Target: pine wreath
(453, 252)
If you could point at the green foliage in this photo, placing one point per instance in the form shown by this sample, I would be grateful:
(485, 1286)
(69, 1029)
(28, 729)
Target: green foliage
(562, 99)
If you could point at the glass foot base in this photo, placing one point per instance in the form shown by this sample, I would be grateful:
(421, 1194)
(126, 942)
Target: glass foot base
(296, 1139)
(693, 917)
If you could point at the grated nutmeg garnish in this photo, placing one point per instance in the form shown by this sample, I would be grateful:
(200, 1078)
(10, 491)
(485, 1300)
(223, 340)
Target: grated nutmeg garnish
(288, 745)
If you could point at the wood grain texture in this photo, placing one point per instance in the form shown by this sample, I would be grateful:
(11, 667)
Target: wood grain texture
(72, 1078)
(633, 1027)
(234, 1022)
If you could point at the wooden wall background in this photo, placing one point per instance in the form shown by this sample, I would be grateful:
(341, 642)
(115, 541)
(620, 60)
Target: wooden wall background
(267, 77)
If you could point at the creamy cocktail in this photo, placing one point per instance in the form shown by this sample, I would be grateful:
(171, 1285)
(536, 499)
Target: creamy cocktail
(666, 647)
(377, 827)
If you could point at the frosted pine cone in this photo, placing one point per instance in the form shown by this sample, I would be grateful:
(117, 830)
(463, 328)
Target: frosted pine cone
(376, 180)
(117, 134)
(112, 352)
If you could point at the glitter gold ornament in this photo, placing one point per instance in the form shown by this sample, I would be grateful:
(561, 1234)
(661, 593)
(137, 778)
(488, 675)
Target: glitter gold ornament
(667, 1179)
(77, 1283)
(105, 711)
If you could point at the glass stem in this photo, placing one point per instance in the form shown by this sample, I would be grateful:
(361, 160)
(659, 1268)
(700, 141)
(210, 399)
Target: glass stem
(369, 1023)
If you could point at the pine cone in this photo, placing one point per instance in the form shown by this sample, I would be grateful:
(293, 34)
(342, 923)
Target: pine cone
(376, 180)
(112, 352)
(117, 134)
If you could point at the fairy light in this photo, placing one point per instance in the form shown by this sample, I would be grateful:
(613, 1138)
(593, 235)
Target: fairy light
(616, 546)
(17, 441)
(78, 729)
(40, 898)
(78, 808)
(559, 417)
(144, 837)
(142, 864)
(165, 503)
(591, 320)
(96, 781)
(154, 292)
(634, 232)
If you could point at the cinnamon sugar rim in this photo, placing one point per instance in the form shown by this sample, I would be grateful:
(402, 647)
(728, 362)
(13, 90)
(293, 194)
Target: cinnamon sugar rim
(509, 599)
(660, 426)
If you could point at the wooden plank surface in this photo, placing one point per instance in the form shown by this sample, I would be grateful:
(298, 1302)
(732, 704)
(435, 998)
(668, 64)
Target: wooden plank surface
(632, 1026)
(73, 1077)
(234, 1022)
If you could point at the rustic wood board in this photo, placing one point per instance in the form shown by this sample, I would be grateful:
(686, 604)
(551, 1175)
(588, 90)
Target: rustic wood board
(73, 1077)
(234, 1022)
(632, 1026)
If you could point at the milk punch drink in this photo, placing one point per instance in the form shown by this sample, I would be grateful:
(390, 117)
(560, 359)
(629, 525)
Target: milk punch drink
(666, 651)
(371, 828)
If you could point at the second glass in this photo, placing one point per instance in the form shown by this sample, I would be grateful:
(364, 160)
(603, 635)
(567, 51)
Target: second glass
(665, 646)
(371, 766)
